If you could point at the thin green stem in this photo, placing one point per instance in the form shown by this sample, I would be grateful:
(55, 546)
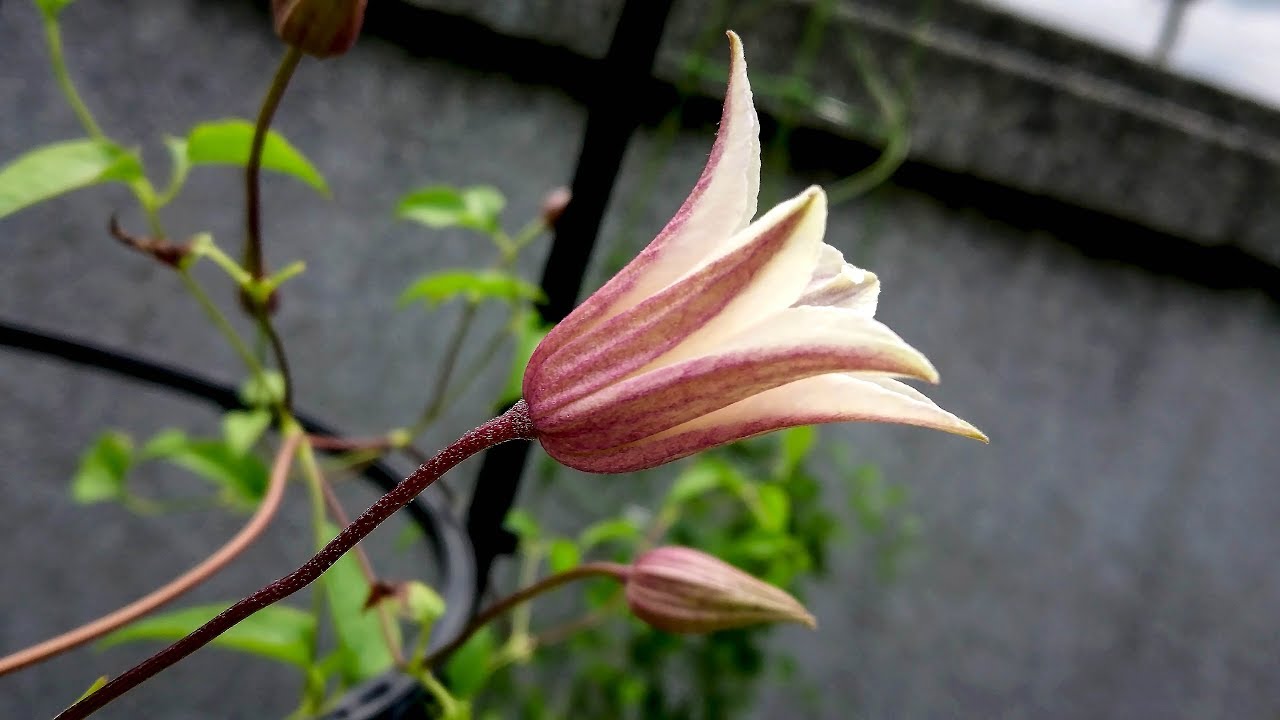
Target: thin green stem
(501, 607)
(334, 509)
(204, 246)
(220, 321)
(449, 705)
(436, 402)
(53, 35)
(515, 424)
(440, 399)
(277, 349)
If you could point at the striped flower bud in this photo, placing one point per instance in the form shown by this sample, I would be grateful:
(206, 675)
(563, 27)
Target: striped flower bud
(322, 28)
(686, 591)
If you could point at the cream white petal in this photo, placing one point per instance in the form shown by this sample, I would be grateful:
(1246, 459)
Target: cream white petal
(836, 397)
(795, 344)
(820, 399)
(836, 283)
(772, 290)
(771, 257)
(722, 202)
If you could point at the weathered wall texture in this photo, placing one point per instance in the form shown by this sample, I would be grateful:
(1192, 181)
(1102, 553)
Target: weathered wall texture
(1111, 554)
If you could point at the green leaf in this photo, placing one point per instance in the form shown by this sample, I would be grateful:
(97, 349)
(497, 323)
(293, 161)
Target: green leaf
(227, 142)
(179, 166)
(704, 476)
(93, 688)
(469, 667)
(562, 555)
(104, 467)
(277, 632)
(610, 530)
(51, 9)
(796, 444)
(473, 285)
(442, 206)
(359, 631)
(774, 507)
(529, 330)
(524, 526)
(265, 392)
(241, 429)
(241, 477)
(59, 168)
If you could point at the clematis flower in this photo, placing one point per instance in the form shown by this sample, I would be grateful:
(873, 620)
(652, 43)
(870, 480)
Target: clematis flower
(723, 328)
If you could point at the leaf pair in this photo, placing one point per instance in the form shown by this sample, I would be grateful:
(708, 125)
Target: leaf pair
(227, 463)
(59, 168)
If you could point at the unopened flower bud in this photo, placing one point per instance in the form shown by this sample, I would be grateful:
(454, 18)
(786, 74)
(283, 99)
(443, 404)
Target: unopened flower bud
(686, 591)
(322, 28)
(553, 205)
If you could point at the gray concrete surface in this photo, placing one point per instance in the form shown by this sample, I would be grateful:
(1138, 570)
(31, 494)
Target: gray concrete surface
(1112, 554)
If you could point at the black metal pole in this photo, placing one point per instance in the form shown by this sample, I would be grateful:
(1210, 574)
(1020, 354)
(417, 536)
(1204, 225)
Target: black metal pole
(612, 118)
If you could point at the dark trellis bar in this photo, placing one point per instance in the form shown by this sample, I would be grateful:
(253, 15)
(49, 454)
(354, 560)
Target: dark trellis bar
(612, 118)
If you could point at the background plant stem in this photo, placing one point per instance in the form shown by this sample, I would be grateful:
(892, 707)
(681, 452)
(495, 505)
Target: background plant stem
(501, 607)
(179, 585)
(512, 425)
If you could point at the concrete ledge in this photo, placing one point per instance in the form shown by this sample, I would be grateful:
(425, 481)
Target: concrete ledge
(994, 96)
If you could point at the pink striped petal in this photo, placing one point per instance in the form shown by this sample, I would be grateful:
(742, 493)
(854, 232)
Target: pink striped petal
(762, 271)
(722, 202)
(820, 399)
(794, 344)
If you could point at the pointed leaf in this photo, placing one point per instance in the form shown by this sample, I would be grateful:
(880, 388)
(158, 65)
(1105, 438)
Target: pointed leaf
(242, 428)
(468, 668)
(104, 467)
(529, 330)
(610, 530)
(241, 477)
(278, 632)
(704, 476)
(524, 525)
(562, 555)
(442, 206)
(472, 285)
(774, 507)
(52, 170)
(796, 443)
(227, 142)
(359, 632)
(51, 9)
(179, 166)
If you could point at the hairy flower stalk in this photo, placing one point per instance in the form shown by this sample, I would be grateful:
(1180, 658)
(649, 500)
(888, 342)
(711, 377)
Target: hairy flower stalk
(723, 328)
(512, 425)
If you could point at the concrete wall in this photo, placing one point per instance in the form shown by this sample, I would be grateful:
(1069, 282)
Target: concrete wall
(1111, 554)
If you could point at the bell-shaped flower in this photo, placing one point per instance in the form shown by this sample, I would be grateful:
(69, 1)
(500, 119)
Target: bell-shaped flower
(723, 328)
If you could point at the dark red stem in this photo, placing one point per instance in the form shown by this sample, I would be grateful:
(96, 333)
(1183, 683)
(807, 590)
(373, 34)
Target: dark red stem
(512, 425)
